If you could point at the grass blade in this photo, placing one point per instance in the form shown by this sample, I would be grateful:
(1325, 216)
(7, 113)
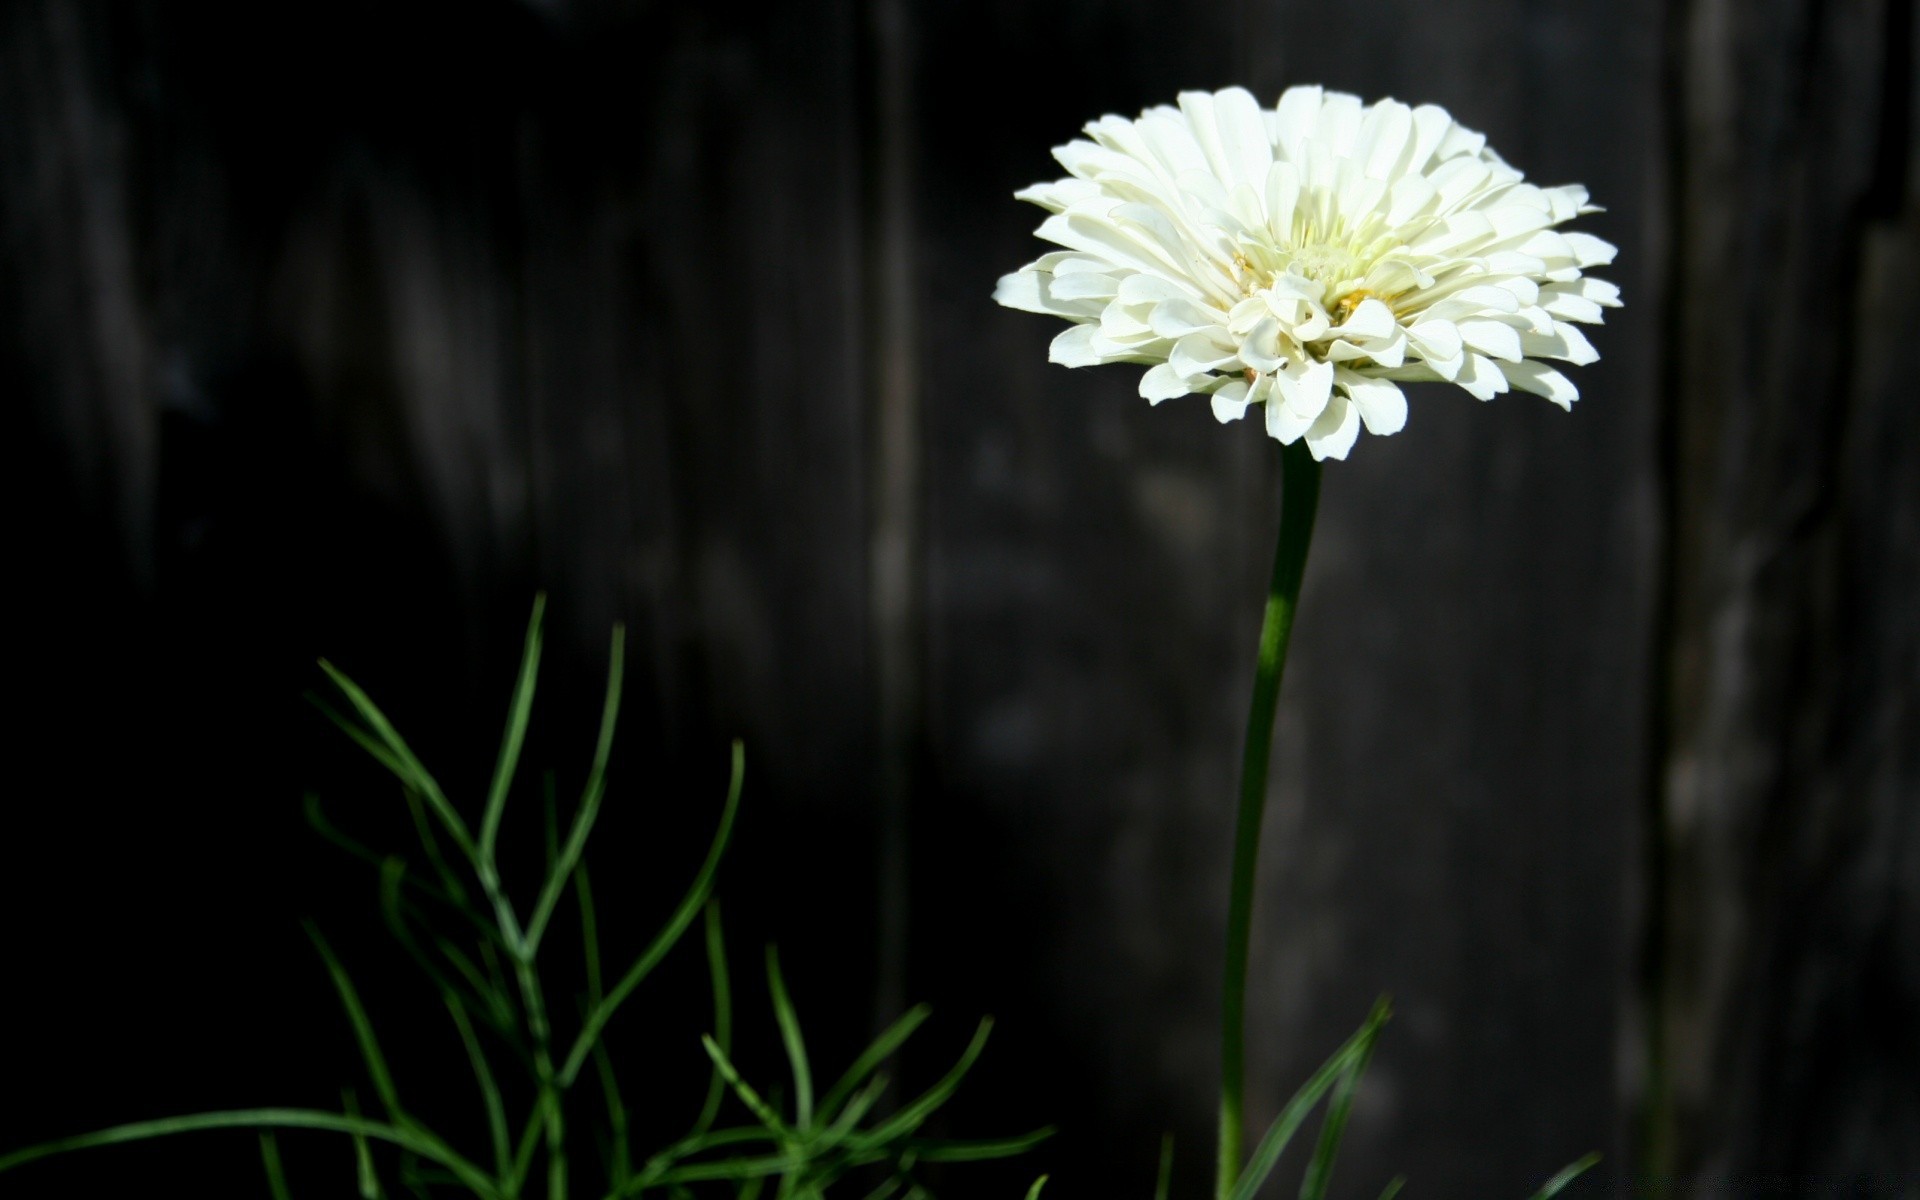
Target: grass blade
(1567, 1175)
(589, 798)
(858, 1107)
(362, 1030)
(1267, 1154)
(423, 829)
(368, 1182)
(1163, 1178)
(1320, 1169)
(796, 1046)
(398, 758)
(1393, 1187)
(759, 1107)
(722, 1014)
(276, 1174)
(985, 1148)
(621, 1165)
(913, 1115)
(489, 1089)
(670, 934)
(875, 1054)
(423, 1144)
(519, 709)
(1033, 1193)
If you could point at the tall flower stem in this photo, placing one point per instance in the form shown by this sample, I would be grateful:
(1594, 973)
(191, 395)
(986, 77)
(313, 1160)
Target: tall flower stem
(1299, 500)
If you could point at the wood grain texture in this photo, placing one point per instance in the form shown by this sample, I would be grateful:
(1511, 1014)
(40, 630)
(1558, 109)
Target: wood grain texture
(1785, 981)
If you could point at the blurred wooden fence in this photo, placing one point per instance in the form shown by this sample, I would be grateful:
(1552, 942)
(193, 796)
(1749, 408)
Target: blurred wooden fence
(340, 330)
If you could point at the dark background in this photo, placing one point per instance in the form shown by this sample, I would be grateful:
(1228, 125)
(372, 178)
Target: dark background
(339, 330)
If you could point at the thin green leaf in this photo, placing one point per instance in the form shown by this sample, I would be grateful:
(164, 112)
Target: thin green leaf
(619, 1149)
(362, 1030)
(1267, 1154)
(1320, 1169)
(400, 759)
(589, 810)
(656, 1166)
(858, 1107)
(722, 1013)
(910, 1117)
(518, 710)
(528, 1145)
(421, 1143)
(733, 1168)
(759, 1107)
(423, 829)
(366, 741)
(668, 936)
(1033, 1193)
(317, 818)
(395, 909)
(620, 1166)
(891, 1185)
(796, 1046)
(870, 1059)
(978, 1150)
(1567, 1175)
(1393, 1187)
(364, 1175)
(483, 1076)
(589, 934)
(276, 1174)
(1163, 1178)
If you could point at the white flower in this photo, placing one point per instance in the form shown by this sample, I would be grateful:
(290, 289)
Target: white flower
(1309, 258)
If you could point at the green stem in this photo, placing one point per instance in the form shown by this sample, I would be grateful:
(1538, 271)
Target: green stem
(1300, 497)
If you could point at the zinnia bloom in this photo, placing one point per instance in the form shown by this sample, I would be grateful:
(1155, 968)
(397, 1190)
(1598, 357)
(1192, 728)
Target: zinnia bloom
(1310, 258)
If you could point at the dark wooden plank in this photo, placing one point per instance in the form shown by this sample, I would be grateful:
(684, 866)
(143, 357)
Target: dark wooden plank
(1787, 939)
(452, 305)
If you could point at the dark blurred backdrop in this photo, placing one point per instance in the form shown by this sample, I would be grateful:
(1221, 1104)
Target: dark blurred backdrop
(339, 330)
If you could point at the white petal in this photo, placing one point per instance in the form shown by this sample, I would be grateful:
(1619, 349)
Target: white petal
(1059, 195)
(1382, 405)
(1335, 432)
(1178, 317)
(1283, 192)
(1243, 137)
(1599, 291)
(1260, 348)
(1305, 387)
(1074, 347)
(1492, 337)
(1371, 319)
(1566, 343)
(1230, 402)
(1435, 340)
(1146, 289)
(1162, 382)
(1298, 111)
(1199, 353)
(1590, 251)
(1481, 377)
(1411, 194)
(1542, 380)
(1032, 291)
(1084, 285)
(1385, 138)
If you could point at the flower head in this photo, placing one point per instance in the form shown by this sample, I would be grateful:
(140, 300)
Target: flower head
(1310, 258)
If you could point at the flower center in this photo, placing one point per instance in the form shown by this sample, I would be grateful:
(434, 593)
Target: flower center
(1325, 263)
